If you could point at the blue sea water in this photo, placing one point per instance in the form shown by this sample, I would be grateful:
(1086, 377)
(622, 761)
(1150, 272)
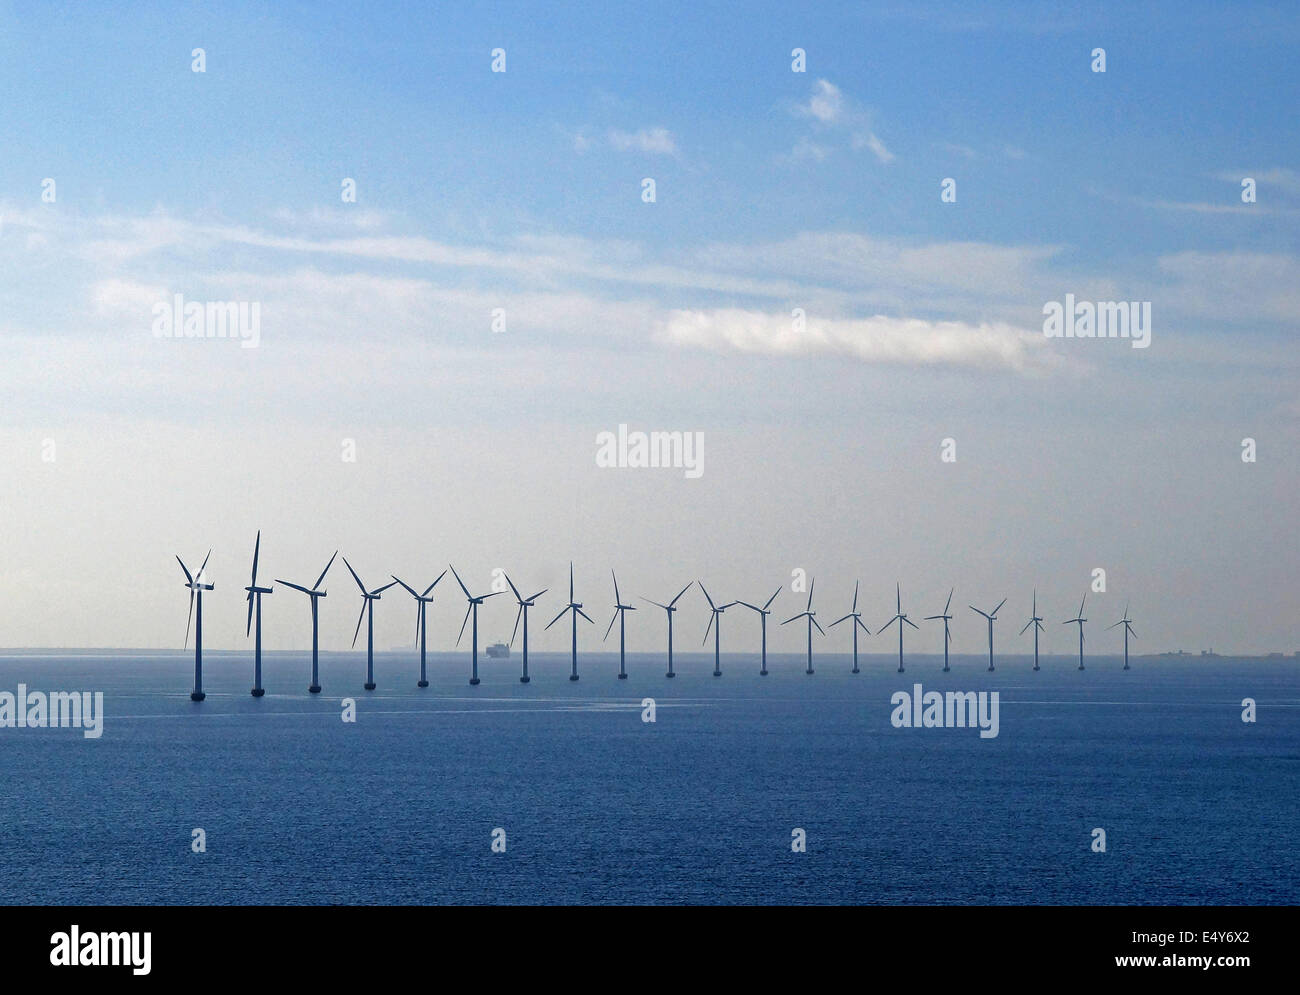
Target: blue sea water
(698, 807)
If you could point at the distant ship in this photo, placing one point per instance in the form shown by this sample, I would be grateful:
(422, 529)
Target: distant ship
(497, 650)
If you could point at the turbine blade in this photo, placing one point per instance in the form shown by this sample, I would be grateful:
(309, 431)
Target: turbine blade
(839, 620)
(708, 627)
(679, 594)
(557, 617)
(816, 623)
(365, 603)
(789, 620)
(463, 621)
(748, 605)
(249, 628)
(1109, 627)
(538, 594)
(898, 598)
(570, 582)
(492, 595)
(1131, 632)
(1027, 625)
(515, 631)
(811, 586)
(296, 587)
(864, 626)
(381, 590)
(205, 564)
(656, 603)
(513, 588)
(585, 615)
(855, 595)
(611, 625)
(911, 623)
(433, 585)
(949, 604)
(354, 575)
(325, 571)
(408, 587)
(460, 582)
(189, 618)
(1000, 604)
(184, 570)
(771, 599)
(257, 548)
(617, 599)
(706, 595)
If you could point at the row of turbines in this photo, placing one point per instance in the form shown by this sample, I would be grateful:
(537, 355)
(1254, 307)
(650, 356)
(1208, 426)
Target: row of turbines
(197, 583)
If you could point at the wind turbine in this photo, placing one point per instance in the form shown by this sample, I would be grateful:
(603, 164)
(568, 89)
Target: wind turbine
(807, 613)
(620, 616)
(197, 585)
(715, 623)
(421, 619)
(857, 621)
(255, 597)
(474, 602)
(670, 608)
(947, 636)
(762, 617)
(1080, 619)
(315, 593)
(1037, 622)
(992, 617)
(1128, 631)
(900, 617)
(524, 605)
(368, 599)
(576, 609)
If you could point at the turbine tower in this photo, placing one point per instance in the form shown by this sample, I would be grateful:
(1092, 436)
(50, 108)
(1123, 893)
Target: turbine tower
(314, 593)
(715, 623)
(947, 636)
(620, 616)
(670, 608)
(1080, 620)
(197, 586)
(992, 617)
(1037, 622)
(857, 621)
(524, 605)
(474, 602)
(900, 617)
(368, 599)
(575, 609)
(255, 598)
(762, 618)
(420, 619)
(807, 613)
(1128, 631)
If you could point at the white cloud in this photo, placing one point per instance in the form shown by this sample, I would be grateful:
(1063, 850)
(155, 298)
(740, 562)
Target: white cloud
(831, 111)
(875, 340)
(654, 141)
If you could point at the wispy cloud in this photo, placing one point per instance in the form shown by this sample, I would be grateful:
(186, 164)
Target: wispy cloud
(831, 112)
(875, 340)
(653, 141)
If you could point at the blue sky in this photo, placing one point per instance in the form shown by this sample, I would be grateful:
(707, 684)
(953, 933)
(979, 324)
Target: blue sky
(775, 190)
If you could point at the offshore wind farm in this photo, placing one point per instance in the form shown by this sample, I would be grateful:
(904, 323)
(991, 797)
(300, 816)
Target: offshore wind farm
(487, 323)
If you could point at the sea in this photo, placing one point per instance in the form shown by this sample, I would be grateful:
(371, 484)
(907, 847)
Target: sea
(744, 789)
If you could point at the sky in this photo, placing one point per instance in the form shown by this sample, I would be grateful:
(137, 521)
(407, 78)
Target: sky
(436, 358)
